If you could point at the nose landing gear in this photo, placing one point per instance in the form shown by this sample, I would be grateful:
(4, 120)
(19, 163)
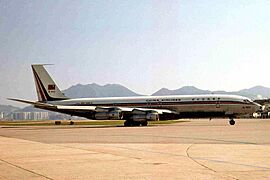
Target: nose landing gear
(232, 121)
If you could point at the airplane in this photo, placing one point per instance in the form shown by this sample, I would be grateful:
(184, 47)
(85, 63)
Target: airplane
(138, 110)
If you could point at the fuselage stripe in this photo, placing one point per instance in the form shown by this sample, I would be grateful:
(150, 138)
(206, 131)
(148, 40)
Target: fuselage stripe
(165, 103)
(41, 90)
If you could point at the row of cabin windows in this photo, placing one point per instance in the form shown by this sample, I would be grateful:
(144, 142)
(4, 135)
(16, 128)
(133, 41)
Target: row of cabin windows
(154, 100)
(209, 99)
(86, 103)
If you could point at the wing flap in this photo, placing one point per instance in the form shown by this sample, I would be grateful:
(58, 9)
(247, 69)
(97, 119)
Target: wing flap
(159, 111)
(89, 108)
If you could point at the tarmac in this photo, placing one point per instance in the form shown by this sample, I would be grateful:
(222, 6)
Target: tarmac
(199, 149)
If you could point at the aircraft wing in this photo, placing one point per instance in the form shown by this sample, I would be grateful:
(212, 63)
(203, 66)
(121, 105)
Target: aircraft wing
(89, 111)
(62, 108)
(123, 109)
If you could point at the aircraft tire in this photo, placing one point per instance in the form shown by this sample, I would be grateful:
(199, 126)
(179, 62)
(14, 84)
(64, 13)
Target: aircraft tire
(144, 123)
(232, 122)
(127, 124)
(57, 122)
(135, 123)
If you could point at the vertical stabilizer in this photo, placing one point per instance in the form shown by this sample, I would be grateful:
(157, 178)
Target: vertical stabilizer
(46, 88)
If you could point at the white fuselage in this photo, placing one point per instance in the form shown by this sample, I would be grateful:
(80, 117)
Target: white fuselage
(227, 104)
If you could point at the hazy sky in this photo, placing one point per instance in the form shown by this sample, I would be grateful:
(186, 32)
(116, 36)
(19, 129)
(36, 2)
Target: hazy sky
(143, 45)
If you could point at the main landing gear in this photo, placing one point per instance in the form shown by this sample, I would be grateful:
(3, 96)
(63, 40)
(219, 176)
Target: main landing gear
(129, 123)
(232, 121)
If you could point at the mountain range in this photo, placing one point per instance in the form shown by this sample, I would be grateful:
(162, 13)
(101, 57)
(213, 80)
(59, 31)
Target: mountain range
(8, 109)
(115, 90)
(256, 92)
(94, 91)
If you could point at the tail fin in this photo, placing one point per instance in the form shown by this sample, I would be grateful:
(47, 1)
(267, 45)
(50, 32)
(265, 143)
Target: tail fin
(46, 88)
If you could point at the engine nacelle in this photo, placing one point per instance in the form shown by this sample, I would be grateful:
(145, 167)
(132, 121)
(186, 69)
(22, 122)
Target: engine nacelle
(113, 114)
(116, 114)
(146, 117)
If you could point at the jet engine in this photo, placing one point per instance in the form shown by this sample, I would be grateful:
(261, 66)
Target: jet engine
(108, 114)
(148, 116)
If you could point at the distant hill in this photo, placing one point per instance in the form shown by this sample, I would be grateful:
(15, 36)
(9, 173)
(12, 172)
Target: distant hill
(31, 109)
(116, 90)
(8, 109)
(95, 90)
(186, 90)
(255, 92)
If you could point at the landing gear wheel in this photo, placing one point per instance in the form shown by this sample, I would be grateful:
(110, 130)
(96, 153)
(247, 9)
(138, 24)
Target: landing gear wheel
(127, 123)
(135, 123)
(144, 123)
(71, 123)
(57, 122)
(232, 122)
(131, 123)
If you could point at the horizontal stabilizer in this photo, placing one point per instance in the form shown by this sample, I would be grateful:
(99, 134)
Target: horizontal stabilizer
(35, 103)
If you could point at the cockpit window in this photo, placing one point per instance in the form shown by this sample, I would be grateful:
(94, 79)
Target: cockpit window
(247, 101)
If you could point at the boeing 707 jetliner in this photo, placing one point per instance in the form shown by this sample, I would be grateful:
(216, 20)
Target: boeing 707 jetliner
(139, 110)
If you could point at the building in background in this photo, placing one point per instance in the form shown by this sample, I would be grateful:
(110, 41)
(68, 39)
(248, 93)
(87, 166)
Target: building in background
(30, 115)
(1, 115)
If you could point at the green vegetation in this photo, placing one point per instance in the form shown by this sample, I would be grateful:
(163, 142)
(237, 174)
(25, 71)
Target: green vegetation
(80, 122)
